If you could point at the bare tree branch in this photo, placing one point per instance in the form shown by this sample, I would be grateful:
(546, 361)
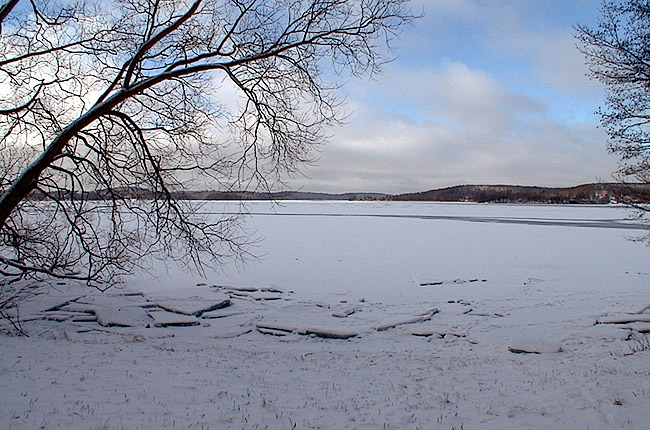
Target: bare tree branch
(618, 55)
(5, 10)
(120, 106)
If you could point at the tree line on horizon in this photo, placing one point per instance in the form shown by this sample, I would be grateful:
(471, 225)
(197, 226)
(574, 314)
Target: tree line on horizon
(600, 193)
(597, 193)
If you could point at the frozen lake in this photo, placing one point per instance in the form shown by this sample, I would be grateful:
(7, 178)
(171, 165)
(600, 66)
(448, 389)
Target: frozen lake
(386, 250)
(381, 315)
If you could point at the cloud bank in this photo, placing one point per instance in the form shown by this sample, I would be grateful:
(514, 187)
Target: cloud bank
(482, 93)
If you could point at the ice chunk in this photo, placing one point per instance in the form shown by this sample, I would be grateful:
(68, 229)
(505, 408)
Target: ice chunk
(417, 319)
(195, 305)
(319, 332)
(625, 319)
(534, 347)
(171, 319)
(123, 316)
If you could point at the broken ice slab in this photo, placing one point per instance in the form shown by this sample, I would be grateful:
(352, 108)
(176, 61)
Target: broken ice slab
(240, 289)
(222, 313)
(261, 296)
(624, 319)
(453, 281)
(192, 307)
(194, 303)
(643, 309)
(608, 333)
(534, 347)
(345, 313)
(123, 316)
(641, 327)
(171, 319)
(271, 290)
(82, 308)
(115, 300)
(319, 332)
(272, 332)
(328, 334)
(84, 318)
(417, 319)
(60, 316)
(426, 333)
(58, 302)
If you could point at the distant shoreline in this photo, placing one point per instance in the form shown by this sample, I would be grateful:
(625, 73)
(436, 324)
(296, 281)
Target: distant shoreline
(597, 193)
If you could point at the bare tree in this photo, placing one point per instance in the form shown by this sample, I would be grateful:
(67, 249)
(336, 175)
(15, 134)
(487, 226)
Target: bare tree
(108, 108)
(618, 55)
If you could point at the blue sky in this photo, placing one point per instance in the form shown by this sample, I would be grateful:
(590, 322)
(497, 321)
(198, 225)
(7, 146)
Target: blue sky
(480, 92)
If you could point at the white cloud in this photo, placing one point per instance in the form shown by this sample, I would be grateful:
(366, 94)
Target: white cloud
(483, 92)
(561, 66)
(509, 31)
(474, 131)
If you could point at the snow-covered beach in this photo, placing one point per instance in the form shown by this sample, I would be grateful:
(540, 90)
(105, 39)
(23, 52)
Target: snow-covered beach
(357, 315)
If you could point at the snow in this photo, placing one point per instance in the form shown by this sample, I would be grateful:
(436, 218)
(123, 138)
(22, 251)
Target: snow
(162, 318)
(123, 316)
(194, 302)
(357, 316)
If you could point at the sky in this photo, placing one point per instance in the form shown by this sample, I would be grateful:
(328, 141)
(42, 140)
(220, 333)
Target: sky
(479, 92)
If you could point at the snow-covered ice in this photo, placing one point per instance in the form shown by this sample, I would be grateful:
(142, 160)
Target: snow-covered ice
(359, 316)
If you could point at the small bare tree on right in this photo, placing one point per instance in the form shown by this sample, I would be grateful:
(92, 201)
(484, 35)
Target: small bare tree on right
(618, 55)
